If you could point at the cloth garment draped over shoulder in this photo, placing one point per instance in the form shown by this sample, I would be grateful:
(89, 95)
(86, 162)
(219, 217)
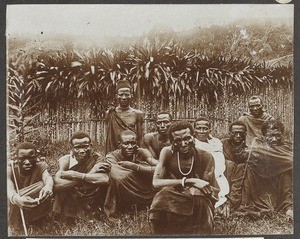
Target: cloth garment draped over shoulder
(268, 182)
(127, 187)
(253, 125)
(83, 199)
(115, 125)
(28, 186)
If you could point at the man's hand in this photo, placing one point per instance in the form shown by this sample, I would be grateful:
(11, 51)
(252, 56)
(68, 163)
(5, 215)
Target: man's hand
(101, 168)
(25, 202)
(129, 165)
(45, 193)
(70, 174)
(201, 184)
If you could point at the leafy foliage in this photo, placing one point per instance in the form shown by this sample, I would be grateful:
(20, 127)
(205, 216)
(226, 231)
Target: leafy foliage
(157, 70)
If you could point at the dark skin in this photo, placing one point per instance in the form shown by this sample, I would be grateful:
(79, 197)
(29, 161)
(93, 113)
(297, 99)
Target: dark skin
(237, 134)
(182, 140)
(66, 179)
(256, 107)
(202, 130)
(26, 162)
(132, 117)
(163, 122)
(128, 146)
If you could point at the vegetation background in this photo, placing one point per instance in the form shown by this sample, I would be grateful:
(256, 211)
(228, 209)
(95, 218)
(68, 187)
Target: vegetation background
(59, 84)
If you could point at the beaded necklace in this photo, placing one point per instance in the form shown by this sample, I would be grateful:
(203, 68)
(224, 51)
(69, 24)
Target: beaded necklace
(192, 164)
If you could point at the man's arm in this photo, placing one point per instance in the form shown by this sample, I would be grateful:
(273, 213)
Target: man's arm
(13, 196)
(47, 190)
(139, 127)
(59, 182)
(69, 178)
(97, 175)
(149, 158)
(148, 145)
(144, 155)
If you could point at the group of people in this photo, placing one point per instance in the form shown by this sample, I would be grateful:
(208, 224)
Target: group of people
(181, 171)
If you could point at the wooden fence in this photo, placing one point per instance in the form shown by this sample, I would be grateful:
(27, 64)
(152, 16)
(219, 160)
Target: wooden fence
(60, 123)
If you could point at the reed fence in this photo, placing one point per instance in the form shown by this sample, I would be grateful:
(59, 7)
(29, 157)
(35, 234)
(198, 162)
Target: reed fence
(59, 123)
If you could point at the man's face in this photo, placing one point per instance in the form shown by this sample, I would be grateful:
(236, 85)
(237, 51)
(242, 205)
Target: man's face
(128, 145)
(27, 160)
(81, 148)
(238, 134)
(124, 97)
(255, 107)
(202, 130)
(183, 140)
(273, 137)
(163, 123)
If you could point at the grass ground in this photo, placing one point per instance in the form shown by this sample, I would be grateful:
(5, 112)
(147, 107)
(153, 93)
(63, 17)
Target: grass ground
(136, 223)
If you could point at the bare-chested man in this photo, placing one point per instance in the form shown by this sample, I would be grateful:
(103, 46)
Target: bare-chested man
(154, 142)
(123, 117)
(188, 188)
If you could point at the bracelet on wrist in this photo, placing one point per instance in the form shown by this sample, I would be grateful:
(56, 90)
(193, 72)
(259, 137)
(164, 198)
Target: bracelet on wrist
(83, 177)
(183, 182)
(12, 199)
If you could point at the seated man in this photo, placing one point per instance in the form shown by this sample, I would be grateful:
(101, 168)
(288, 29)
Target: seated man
(189, 190)
(268, 182)
(29, 187)
(236, 154)
(205, 141)
(154, 142)
(81, 182)
(130, 177)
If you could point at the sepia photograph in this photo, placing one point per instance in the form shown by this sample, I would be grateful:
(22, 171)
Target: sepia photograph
(150, 119)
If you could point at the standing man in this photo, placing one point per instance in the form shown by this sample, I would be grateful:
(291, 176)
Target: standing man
(205, 141)
(154, 142)
(188, 188)
(254, 119)
(130, 177)
(29, 186)
(236, 154)
(81, 181)
(122, 117)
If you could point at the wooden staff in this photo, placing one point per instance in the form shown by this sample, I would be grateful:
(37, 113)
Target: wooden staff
(21, 210)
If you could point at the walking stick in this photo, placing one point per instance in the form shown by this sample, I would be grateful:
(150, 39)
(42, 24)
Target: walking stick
(21, 210)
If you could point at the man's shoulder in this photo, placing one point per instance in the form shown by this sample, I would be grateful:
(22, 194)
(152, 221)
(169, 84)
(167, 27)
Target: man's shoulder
(114, 154)
(65, 158)
(98, 157)
(203, 153)
(143, 152)
(224, 140)
(266, 116)
(150, 135)
(215, 141)
(138, 112)
(244, 116)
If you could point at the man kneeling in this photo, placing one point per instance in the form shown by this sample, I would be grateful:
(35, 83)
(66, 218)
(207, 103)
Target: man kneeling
(81, 182)
(29, 187)
(189, 190)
